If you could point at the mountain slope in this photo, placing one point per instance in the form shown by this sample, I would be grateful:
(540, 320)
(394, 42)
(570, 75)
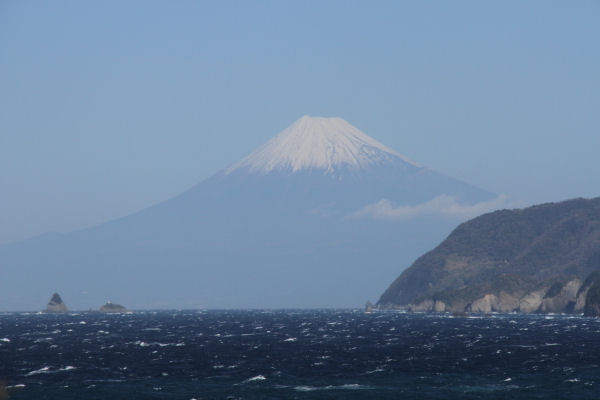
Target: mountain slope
(274, 230)
(508, 255)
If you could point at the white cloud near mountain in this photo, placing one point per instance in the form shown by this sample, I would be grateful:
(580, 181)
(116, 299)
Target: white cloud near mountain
(443, 205)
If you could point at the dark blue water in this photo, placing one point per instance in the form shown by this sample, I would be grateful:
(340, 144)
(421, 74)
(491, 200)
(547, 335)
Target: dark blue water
(298, 355)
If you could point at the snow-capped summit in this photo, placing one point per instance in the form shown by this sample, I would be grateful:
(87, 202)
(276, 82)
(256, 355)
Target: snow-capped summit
(318, 143)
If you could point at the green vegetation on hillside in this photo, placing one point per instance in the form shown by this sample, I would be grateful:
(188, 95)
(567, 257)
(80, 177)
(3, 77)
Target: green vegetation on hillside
(507, 251)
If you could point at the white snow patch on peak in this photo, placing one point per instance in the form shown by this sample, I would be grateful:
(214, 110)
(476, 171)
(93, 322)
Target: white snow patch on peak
(318, 143)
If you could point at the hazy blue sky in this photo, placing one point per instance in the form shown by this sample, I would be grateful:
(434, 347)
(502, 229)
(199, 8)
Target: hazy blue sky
(107, 107)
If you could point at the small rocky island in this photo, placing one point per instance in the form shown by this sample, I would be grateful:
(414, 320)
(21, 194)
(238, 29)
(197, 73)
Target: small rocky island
(112, 308)
(541, 259)
(56, 305)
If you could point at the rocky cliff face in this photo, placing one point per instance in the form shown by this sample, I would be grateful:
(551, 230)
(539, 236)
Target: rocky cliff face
(56, 305)
(539, 259)
(591, 294)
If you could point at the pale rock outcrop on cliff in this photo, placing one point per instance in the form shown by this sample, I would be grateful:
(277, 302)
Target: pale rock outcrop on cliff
(423, 306)
(487, 303)
(580, 302)
(532, 301)
(439, 306)
(564, 300)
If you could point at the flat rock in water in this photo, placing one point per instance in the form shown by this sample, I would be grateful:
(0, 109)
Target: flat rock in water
(112, 308)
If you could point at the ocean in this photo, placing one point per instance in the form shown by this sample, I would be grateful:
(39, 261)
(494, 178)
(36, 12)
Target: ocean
(298, 354)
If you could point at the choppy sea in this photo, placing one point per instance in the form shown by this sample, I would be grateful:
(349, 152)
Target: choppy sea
(298, 355)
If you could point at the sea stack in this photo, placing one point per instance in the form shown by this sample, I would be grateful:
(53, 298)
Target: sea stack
(56, 305)
(112, 308)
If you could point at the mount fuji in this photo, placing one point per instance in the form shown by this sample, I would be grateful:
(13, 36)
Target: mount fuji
(322, 215)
